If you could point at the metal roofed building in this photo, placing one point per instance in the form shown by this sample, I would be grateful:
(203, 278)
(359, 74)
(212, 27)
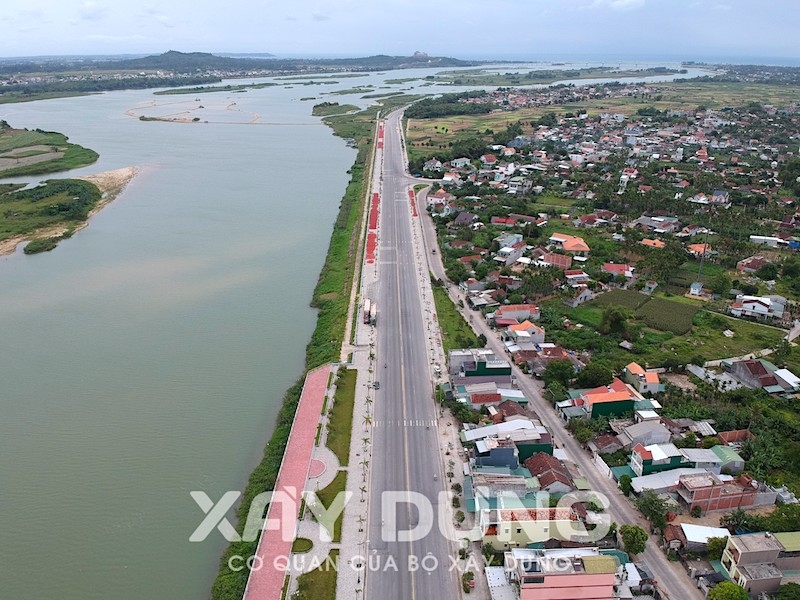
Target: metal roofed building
(665, 481)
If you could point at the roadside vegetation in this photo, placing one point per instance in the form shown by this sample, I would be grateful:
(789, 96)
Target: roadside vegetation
(340, 424)
(456, 332)
(36, 152)
(319, 584)
(328, 495)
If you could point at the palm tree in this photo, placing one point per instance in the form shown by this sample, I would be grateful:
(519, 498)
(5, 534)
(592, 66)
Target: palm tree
(365, 441)
(367, 421)
(363, 491)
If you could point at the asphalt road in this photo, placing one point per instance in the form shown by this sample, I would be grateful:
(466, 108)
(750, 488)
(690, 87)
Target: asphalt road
(405, 456)
(673, 583)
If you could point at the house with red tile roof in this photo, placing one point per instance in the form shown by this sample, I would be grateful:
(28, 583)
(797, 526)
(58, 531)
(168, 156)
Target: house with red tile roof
(751, 264)
(525, 332)
(519, 312)
(652, 243)
(559, 261)
(615, 399)
(621, 269)
(698, 250)
(646, 382)
(569, 243)
(551, 473)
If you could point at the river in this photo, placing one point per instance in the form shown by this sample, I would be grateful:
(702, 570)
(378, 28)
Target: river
(146, 357)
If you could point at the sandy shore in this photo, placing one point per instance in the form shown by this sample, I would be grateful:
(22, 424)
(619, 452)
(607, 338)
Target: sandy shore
(110, 183)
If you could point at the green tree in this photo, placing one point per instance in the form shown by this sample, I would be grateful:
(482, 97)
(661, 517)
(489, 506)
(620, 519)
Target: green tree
(634, 538)
(625, 484)
(715, 547)
(560, 371)
(653, 508)
(727, 591)
(614, 320)
(791, 268)
(594, 375)
(720, 284)
(456, 271)
(768, 272)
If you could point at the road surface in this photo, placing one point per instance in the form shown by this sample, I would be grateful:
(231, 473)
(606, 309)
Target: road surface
(405, 455)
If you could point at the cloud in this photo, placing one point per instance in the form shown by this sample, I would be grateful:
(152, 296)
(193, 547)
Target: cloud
(619, 4)
(92, 11)
(319, 17)
(152, 13)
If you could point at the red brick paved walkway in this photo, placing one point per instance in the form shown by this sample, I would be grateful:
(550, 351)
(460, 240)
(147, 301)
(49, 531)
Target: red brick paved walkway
(267, 582)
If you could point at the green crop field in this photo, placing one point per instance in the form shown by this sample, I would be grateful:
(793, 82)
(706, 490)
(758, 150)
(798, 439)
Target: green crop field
(626, 298)
(667, 315)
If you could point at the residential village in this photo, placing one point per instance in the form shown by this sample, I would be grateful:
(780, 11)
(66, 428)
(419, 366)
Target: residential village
(641, 269)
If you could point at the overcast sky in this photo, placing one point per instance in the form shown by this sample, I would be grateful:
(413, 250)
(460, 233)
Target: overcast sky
(684, 29)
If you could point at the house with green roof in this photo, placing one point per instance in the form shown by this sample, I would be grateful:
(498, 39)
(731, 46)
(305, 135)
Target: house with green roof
(732, 462)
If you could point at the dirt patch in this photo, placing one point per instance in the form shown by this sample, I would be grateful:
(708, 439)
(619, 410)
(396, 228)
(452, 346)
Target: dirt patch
(24, 161)
(680, 381)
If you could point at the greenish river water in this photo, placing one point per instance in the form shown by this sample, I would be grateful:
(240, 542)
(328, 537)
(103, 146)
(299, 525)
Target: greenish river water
(146, 356)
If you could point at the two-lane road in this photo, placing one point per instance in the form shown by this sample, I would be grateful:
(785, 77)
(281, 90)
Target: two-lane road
(405, 456)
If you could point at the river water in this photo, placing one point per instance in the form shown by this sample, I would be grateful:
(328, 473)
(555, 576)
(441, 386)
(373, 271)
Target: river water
(146, 357)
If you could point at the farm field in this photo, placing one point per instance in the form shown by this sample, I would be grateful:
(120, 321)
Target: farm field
(655, 322)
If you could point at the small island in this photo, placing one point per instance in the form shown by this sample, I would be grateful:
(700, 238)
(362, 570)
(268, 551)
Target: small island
(57, 208)
(25, 152)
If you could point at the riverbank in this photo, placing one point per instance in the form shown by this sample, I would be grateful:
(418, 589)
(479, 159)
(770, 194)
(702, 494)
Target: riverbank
(109, 184)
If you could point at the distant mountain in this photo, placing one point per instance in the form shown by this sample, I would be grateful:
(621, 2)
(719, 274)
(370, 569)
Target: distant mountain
(193, 62)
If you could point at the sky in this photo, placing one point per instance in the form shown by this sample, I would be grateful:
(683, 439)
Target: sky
(684, 29)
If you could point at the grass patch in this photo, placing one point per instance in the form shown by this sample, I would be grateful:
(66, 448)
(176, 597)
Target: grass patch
(456, 332)
(319, 584)
(340, 425)
(626, 298)
(328, 495)
(301, 545)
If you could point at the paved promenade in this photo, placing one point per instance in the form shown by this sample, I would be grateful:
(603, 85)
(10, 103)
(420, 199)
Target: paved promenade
(267, 582)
